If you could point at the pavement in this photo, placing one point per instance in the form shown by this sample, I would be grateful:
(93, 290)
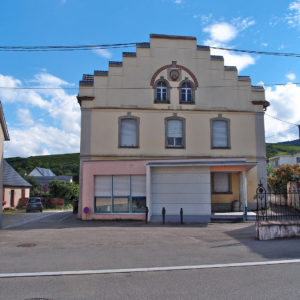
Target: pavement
(61, 242)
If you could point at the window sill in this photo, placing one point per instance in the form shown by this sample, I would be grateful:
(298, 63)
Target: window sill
(222, 193)
(222, 148)
(130, 147)
(162, 102)
(171, 147)
(189, 103)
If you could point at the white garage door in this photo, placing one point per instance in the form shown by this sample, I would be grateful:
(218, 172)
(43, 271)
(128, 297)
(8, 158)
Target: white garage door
(181, 187)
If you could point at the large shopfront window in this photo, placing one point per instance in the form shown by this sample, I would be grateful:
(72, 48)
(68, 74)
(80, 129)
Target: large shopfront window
(120, 194)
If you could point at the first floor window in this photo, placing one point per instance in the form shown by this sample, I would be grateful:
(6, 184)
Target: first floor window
(175, 133)
(120, 194)
(128, 132)
(221, 183)
(220, 134)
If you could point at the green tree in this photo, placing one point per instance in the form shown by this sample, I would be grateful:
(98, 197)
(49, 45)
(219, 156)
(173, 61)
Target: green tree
(35, 190)
(279, 178)
(64, 190)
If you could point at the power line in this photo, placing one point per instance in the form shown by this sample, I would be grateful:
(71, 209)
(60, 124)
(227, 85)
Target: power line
(281, 120)
(126, 45)
(126, 88)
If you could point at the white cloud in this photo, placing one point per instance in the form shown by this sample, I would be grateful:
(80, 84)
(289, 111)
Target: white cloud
(284, 102)
(242, 24)
(221, 32)
(103, 53)
(293, 17)
(290, 76)
(24, 117)
(265, 44)
(56, 124)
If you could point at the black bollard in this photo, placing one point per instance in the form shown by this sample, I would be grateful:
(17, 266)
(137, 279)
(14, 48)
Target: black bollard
(181, 216)
(163, 212)
(146, 212)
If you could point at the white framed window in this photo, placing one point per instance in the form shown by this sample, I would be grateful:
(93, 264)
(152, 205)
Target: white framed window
(175, 132)
(221, 183)
(161, 89)
(120, 194)
(187, 93)
(220, 133)
(129, 132)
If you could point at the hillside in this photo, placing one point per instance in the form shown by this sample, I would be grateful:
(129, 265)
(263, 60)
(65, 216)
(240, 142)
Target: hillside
(280, 148)
(68, 164)
(60, 164)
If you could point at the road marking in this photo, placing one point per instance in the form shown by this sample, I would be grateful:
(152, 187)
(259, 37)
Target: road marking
(151, 269)
(48, 214)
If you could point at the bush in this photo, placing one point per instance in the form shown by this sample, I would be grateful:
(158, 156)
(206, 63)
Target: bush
(279, 178)
(64, 190)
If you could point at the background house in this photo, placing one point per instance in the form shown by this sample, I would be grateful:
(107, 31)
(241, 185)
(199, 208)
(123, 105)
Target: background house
(44, 176)
(277, 161)
(4, 136)
(15, 186)
(169, 127)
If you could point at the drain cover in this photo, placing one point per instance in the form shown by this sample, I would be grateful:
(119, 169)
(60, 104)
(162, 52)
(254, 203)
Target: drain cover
(28, 245)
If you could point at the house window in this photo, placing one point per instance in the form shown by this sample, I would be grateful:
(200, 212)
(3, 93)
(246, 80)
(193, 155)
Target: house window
(120, 194)
(128, 132)
(23, 193)
(162, 91)
(187, 92)
(175, 137)
(220, 137)
(221, 183)
(298, 160)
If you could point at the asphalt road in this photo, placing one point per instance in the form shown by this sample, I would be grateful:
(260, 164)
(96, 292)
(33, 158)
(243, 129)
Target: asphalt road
(60, 242)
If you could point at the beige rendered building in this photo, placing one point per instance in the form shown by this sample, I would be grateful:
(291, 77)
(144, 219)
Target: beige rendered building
(169, 127)
(4, 136)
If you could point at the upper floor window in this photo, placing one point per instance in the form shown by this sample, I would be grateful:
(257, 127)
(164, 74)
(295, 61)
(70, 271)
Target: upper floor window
(187, 92)
(220, 133)
(128, 131)
(162, 91)
(175, 132)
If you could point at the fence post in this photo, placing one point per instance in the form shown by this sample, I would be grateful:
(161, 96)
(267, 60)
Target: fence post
(163, 212)
(181, 215)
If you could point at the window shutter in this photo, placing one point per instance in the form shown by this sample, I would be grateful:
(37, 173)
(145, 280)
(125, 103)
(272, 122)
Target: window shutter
(128, 132)
(138, 185)
(121, 185)
(221, 182)
(175, 128)
(220, 134)
(103, 186)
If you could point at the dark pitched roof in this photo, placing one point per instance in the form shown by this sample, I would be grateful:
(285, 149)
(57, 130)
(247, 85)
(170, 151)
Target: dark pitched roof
(47, 179)
(11, 177)
(43, 171)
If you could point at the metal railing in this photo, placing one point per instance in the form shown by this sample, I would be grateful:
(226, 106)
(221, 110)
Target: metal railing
(280, 206)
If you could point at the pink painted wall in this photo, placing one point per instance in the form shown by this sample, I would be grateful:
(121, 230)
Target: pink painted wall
(124, 167)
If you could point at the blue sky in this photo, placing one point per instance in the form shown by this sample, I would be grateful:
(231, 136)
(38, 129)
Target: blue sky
(47, 121)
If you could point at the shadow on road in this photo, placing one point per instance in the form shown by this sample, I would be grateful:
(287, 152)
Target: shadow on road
(272, 249)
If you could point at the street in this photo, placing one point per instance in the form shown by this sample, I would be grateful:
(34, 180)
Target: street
(60, 242)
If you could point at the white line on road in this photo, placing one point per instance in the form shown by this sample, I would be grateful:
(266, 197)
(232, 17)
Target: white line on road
(43, 216)
(152, 269)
